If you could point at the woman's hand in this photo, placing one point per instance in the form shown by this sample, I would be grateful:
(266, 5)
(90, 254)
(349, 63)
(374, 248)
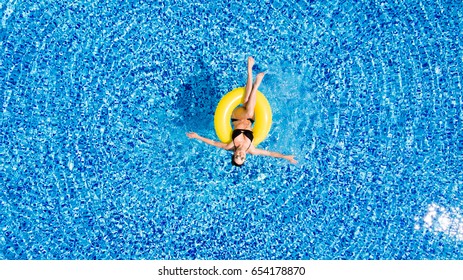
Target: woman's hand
(192, 135)
(291, 159)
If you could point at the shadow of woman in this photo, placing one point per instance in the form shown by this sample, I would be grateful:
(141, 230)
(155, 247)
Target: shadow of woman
(198, 99)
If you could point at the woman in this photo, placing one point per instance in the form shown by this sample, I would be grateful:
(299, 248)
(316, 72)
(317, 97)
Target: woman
(242, 120)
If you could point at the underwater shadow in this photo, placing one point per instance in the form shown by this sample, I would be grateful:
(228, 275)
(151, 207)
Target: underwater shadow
(198, 98)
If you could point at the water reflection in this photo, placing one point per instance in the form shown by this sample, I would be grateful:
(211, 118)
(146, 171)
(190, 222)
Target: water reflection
(446, 220)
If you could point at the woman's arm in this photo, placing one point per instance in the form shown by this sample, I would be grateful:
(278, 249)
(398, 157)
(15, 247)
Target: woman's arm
(208, 141)
(256, 151)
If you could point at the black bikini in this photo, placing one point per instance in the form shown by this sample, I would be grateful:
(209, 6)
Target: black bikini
(247, 133)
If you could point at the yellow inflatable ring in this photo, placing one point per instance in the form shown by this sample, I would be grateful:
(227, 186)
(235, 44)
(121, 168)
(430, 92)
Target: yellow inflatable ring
(222, 116)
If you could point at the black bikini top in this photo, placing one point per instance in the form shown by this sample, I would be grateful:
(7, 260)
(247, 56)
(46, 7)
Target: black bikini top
(247, 133)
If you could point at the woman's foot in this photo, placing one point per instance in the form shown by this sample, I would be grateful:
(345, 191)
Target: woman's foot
(250, 62)
(260, 76)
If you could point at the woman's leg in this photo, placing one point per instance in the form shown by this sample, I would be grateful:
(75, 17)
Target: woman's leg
(251, 102)
(249, 81)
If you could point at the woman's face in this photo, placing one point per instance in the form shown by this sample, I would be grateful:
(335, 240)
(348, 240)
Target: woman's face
(239, 157)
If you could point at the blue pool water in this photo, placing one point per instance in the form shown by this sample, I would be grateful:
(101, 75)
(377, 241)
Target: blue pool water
(96, 97)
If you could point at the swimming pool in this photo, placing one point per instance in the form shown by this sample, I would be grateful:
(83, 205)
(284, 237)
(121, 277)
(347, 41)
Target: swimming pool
(96, 97)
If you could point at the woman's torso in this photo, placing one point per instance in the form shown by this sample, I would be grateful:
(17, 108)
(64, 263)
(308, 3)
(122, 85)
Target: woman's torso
(241, 122)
